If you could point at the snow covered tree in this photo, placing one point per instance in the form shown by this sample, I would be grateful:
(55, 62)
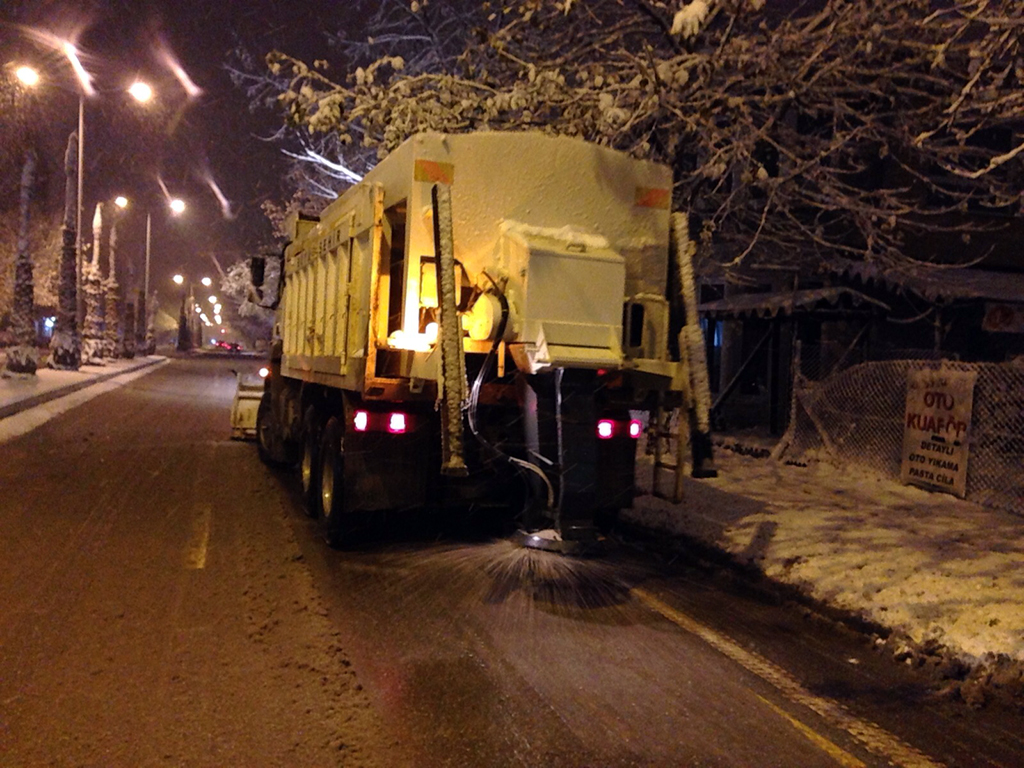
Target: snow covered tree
(153, 306)
(92, 287)
(22, 358)
(425, 35)
(141, 322)
(65, 346)
(796, 132)
(184, 343)
(112, 336)
(128, 341)
(254, 321)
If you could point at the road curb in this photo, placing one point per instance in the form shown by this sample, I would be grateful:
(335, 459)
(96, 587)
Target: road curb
(44, 397)
(951, 675)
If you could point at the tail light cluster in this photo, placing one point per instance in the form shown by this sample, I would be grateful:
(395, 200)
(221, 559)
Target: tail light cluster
(395, 422)
(609, 428)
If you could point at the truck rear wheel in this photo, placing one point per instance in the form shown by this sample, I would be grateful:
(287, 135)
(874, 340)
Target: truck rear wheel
(267, 441)
(333, 524)
(309, 467)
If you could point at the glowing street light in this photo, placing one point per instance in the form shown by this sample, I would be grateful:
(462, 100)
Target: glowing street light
(27, 76)
(213, 299)
(177, 206)
(141, 92)
(121, 202)
(207, 282)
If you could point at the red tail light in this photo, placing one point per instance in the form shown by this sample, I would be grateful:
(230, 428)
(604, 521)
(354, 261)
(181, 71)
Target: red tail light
(396, 423)
(605, 429)
(361, 421)
(635, 428)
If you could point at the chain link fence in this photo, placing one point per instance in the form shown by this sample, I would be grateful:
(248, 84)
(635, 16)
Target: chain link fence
(855, 416)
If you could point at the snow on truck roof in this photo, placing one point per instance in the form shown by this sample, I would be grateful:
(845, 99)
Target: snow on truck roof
(530, 182)
(532, 178)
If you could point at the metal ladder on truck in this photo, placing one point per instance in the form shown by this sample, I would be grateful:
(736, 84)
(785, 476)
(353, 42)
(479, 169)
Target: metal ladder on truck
(665, 430)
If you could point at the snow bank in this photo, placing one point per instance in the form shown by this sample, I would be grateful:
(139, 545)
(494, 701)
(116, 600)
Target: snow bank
(939, 570)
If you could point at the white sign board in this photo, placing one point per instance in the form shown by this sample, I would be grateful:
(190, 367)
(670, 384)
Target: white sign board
(1003, 318)
(936, 429)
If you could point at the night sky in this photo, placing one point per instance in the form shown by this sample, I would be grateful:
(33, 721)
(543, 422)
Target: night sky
(179, 139)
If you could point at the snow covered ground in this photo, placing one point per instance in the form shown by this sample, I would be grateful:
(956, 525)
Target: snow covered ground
(944, 574)
(27, 401)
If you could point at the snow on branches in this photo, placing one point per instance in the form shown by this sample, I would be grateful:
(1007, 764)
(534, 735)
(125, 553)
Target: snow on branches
(843, 127)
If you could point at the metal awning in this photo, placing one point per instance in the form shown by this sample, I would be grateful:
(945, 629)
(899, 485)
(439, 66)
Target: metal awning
(787, 302)
(940, 283)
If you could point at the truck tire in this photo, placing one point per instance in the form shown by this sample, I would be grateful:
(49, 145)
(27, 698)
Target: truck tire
(333, 524)
(265, 437)
(309, 465)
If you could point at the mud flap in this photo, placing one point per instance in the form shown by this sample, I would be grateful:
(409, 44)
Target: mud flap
(560, 414)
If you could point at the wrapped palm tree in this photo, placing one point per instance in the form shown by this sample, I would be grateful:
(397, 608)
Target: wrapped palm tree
(23, 358)
(92, 286)
(65, 346)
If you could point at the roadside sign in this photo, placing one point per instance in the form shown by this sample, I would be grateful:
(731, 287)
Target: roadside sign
(1003, 318)
(936, 429)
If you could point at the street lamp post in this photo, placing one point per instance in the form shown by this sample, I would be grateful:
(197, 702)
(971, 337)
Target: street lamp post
(177, 207)
(80, 299)
(85, 80)
(142, 93)
(186, 331)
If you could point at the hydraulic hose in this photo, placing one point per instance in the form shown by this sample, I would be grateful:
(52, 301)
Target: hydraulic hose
(474, 396)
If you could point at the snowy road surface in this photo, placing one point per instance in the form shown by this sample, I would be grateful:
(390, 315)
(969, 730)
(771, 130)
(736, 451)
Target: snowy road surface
(166, 602)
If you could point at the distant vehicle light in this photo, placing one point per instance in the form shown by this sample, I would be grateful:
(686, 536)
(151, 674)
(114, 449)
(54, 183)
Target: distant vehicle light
(605, 429)
(264, 372)
(361, 421)
(635, 428)
(396, 423)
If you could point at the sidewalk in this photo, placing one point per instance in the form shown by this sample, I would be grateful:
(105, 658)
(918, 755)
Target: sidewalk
(19, 393)
(941, 579)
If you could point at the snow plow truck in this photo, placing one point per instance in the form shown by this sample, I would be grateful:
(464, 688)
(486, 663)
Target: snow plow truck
(488, 320)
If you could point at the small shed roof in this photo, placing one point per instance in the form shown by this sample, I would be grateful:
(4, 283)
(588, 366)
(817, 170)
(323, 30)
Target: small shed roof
(941, 283)
(786, 302)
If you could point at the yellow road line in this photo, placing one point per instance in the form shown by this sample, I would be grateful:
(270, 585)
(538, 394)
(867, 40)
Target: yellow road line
(874, 738)
(195, 554)
(838, 754)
